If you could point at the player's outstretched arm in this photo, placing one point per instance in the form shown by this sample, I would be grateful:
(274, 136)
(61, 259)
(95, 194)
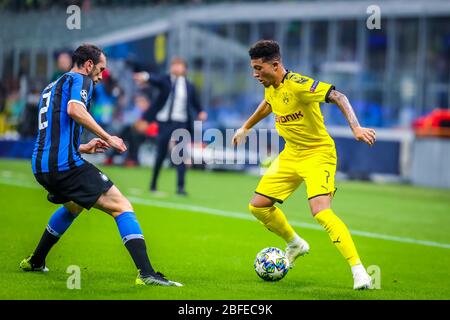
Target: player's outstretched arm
(77, 112)
(366, 135)
(263, 110)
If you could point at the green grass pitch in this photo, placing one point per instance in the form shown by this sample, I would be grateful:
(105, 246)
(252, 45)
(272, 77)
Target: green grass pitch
(208, 241)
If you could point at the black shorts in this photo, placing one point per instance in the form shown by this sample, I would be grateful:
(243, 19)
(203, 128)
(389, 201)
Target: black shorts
(82, 185)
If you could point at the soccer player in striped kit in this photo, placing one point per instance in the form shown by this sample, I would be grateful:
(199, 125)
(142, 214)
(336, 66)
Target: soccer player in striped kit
(70, 180)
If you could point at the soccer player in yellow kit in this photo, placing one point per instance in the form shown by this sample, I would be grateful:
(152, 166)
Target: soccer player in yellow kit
(309, 154)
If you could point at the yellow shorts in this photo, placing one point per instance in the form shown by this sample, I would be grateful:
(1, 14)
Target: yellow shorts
(317, 168)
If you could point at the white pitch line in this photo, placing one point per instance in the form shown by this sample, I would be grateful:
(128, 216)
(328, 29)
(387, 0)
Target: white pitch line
(20, 183)
(245, 216)
(248, 216)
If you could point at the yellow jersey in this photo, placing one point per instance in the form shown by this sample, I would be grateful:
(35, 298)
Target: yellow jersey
(298, 119)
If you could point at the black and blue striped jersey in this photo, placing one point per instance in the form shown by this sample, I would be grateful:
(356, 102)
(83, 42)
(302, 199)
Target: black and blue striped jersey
(58, 139)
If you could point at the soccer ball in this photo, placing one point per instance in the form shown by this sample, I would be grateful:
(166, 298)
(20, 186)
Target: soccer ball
(271, 264)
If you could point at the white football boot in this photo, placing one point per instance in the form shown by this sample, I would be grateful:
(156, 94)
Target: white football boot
(361, 278)
(156, 279)
(296, 248)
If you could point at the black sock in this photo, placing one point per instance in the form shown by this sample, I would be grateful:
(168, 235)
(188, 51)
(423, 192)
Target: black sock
(138, 251)
(47, 241)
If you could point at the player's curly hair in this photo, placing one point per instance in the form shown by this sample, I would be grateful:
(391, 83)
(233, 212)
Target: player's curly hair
(267, 50)
(86, 52)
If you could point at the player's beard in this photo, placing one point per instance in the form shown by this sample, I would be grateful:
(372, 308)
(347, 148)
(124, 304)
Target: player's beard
(91, 75)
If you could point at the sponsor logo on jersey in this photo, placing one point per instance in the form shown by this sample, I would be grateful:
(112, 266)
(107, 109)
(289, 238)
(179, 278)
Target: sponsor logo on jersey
(290, 117)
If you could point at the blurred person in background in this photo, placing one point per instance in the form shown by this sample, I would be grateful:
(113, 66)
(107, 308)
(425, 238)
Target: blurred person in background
(2, 108)
(13, 107)
(105, 102)
(176, 107)
(134, 132)
(2, 96)
(27, 126)
(63, 65)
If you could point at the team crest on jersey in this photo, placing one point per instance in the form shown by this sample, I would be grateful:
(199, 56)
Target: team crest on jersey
(298, 79)
(83, 94)
(285, 98)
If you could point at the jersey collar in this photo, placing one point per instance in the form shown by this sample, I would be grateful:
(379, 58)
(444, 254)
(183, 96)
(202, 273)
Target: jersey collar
(282, 80)
(285, 75)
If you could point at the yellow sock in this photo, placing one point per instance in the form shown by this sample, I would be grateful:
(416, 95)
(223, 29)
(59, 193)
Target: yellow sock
(274, 220)
(339, 234)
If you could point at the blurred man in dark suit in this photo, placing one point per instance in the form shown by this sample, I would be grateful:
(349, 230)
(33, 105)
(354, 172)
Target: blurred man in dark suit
(176, 107)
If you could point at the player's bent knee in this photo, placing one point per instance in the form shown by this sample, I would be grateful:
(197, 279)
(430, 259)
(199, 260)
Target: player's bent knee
(126, 205)
(319, 208)
(252, 208)
(261, 201)
(113, 202)
(73, 208)
(122, 205)
(320, 203)
(260, 213)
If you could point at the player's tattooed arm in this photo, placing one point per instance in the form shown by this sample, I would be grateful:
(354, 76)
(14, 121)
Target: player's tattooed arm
(366, 135)
(342, 102)
(263, 110)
